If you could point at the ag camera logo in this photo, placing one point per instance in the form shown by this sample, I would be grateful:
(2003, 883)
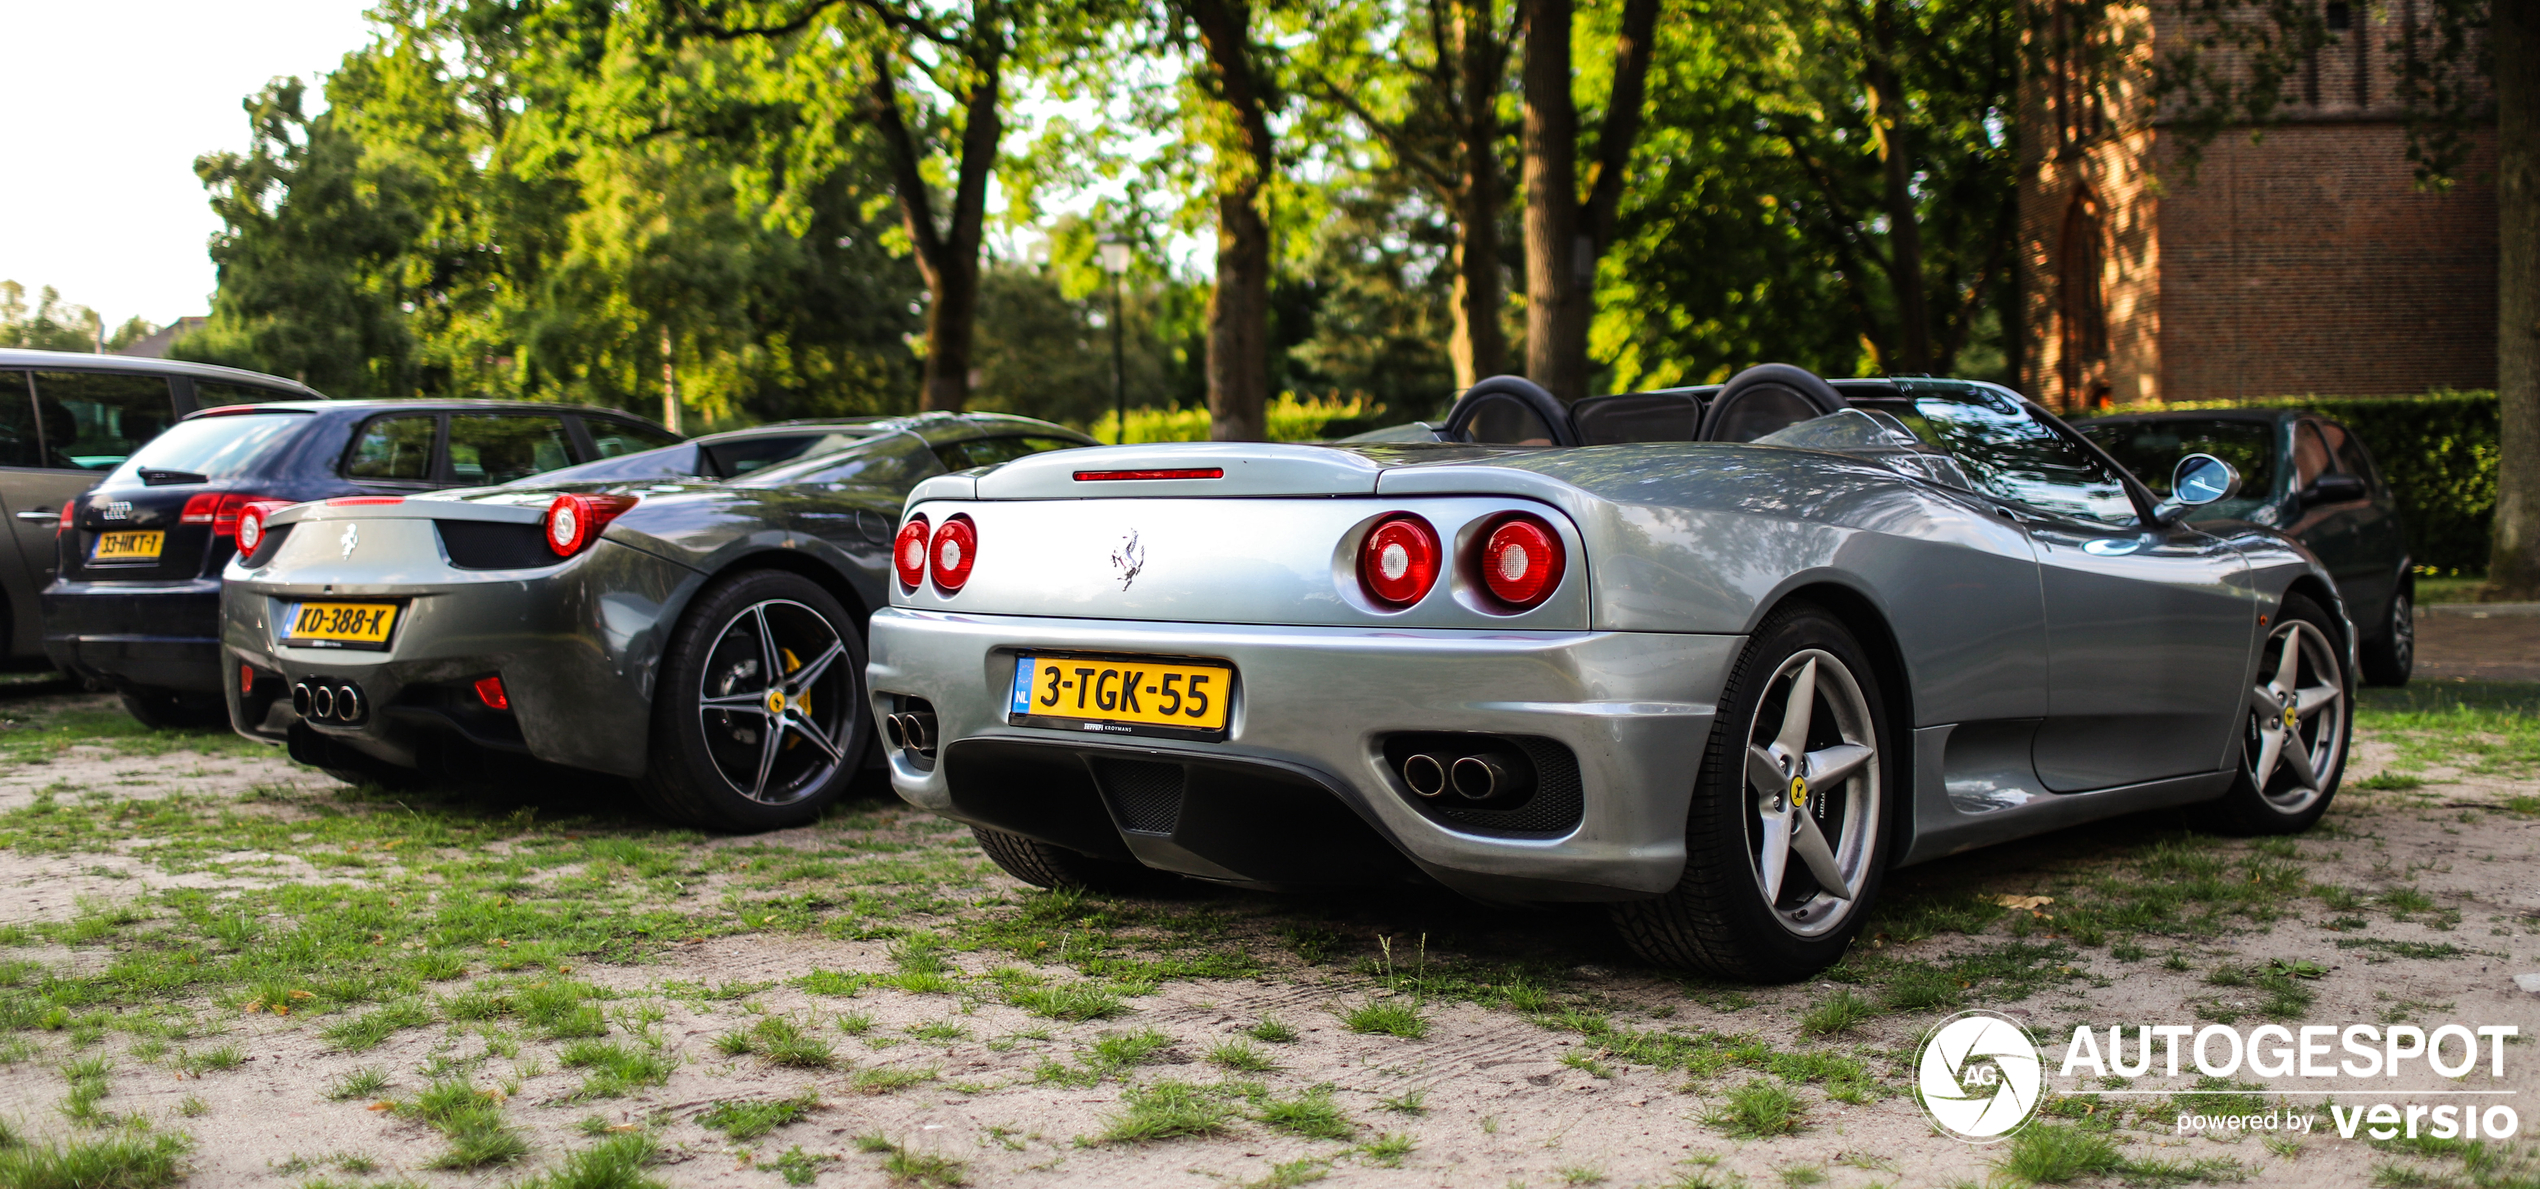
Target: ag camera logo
(1980, 1075)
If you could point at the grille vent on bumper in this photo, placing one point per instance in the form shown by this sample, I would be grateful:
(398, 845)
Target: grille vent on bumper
(1556, 806)
(488, 545)
(1147, 797)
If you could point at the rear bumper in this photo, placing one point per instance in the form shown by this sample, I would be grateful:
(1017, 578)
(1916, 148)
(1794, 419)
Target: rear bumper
(576, 647)
(1301, 792)
(164, 635)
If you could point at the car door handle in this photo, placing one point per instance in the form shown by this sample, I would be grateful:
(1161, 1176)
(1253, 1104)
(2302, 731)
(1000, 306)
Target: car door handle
(39, 515)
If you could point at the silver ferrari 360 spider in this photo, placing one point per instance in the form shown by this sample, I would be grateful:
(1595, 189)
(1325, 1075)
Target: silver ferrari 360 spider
(1718, 657)
(703, 637)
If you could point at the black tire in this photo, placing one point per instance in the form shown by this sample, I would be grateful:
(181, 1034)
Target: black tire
(1045, 866)
(1716, 920)
(2275, 802)
(687, 777)
(169, 710)
(2390, 655)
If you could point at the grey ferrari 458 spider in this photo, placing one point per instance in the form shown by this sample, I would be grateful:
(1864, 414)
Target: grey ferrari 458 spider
(705, 638)
(1768, 641)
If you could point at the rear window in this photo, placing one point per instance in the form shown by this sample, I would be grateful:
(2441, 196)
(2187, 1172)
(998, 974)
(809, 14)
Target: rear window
(893, 460)
(612, 438)
(231, 446)
(741, 456)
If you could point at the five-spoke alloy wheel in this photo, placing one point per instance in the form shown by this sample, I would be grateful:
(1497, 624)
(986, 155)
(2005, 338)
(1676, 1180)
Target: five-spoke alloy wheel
(762, 713)
(1786, 832)
(2294, 736)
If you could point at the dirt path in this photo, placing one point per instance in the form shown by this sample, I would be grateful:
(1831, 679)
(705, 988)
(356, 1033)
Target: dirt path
(573, 970)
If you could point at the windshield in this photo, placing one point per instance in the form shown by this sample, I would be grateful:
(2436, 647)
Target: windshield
(225, 447)
(2151, 449)
(896, 459)
(2016, 457)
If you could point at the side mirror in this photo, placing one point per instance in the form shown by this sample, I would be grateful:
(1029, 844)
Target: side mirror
(2333, 489)
(2198, 480)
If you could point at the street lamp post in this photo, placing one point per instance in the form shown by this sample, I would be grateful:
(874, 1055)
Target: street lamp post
(1115, 260)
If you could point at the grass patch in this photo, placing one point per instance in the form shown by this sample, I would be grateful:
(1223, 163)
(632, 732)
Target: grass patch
(890, 1081)
(1311, 1114)
(366, 1031)
(614, 1068)
(118, 1162)
(1076, 1001)
(1842, 1011)
(1240, 1056)
(750, 1120)
(472, 1120)
(618, 1162)
(358, 1085)
(1388, 1017)
(1271, 1031)
(1760, 1109)
(1170, 1110)
(2056, 1154)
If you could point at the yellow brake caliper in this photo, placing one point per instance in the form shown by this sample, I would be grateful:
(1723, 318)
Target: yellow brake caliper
(801, 702)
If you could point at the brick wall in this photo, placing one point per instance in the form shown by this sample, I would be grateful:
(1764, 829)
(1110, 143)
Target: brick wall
(2311, 263)
(2307, 262)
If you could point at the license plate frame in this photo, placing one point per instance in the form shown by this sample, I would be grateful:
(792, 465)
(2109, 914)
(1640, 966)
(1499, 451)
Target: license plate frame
(338, 630)
(109, 547)
(1026, 705)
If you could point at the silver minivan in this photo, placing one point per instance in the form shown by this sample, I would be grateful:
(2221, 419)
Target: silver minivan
(66, 420)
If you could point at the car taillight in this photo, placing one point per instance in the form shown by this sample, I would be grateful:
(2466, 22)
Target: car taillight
(251, 523)
(1399, 562)
(574, 521)
(1521, 561)
(908, 552)
(956, 547)
(70, 509)
(246, 681)
(220, 509)
(489, 690)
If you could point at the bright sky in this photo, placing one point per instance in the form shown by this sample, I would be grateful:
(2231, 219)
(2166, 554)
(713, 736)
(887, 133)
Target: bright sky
(115, 102)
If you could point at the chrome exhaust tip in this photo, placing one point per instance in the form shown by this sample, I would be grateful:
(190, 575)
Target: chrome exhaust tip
(893, 732)
(348, 704)
(321, 702)
(1426, 774)
(1489, 776)
(300, 697)
(917, 728)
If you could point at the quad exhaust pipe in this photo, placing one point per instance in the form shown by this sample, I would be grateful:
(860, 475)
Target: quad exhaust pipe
(1473, 778)
(338, 702)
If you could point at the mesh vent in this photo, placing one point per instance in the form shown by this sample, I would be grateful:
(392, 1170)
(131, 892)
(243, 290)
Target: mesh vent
(485, 545)
(1557, 807)
(1148, 797)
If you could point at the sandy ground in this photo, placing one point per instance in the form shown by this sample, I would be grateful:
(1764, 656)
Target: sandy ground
(1501, 1108)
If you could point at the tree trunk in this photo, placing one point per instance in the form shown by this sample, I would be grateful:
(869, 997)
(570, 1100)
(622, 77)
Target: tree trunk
(948, 261)
(1479, 346)
(1239, 309)
(2513, 568)
(1565, 236)
(1905, 232)
(1556, 328)
(1239, 322)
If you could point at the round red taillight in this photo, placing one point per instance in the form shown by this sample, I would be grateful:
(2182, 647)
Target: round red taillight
(1521, 561)
(1399, 562)
(956, 547)
(908, 552)
(574, 521)
(251, 529)
(568, 525)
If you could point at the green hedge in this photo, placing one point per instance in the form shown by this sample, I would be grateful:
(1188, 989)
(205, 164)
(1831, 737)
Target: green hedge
(2438, 453)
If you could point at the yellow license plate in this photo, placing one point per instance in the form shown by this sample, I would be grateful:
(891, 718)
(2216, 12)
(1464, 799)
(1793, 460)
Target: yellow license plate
(128, 546)
(1121, 693)
(339, 624)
